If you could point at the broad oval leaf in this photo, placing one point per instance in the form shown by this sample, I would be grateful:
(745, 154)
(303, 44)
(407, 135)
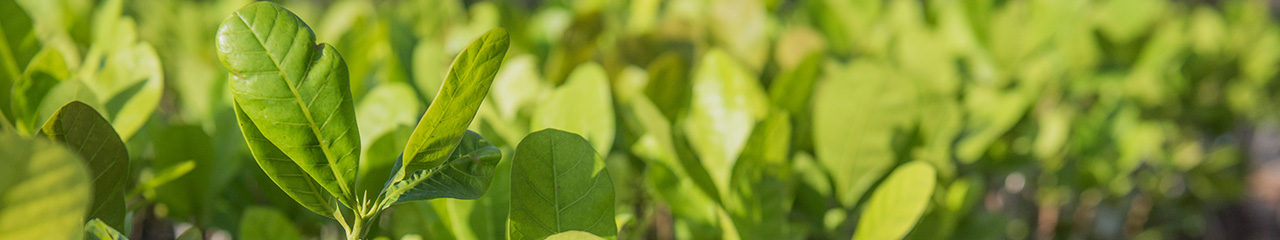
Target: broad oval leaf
(260, 223)
(294, 91)
(558, 183)
(80, 127)
(583, 105)
(727, 101)
(897, 203)
(856, 112)
(466, 175)
(465, 87)
(97, 230)
(44, 190)
(291, 178)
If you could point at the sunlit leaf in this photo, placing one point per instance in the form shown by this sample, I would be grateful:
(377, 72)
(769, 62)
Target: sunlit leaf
(465, 87)
(897, 203)
(582, 105)
(294, 91)
(558, 183)
(727, 101)
(284, 172)
(44, 190)
(18, 45)
(97, 230)
(46, 71)
(466, 175)
(574, 235)
(857, 111)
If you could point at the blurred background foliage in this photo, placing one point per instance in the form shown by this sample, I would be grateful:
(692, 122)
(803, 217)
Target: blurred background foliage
(1045, 119)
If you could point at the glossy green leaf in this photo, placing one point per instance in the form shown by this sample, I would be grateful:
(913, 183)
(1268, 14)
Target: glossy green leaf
(80, 127)
(47, 70)
(284, 172)
(558, 183)
(574, 235)
(44, 190)
(857, 111)
(898, 203)
(465, 87)
(294, 91)
(260, 223)
(466, 175)
(97, 230)
(727, 101)
(583, 105)
(18, 45)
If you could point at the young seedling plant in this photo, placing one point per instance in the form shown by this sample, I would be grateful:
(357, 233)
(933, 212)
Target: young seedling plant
(294, 106)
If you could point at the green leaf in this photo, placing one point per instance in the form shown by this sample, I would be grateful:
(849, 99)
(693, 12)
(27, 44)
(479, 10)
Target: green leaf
(129, 87)
(46, 71)
(79, 127)
(727, 101)
(857, 111)
(97, 230)
(669, 84)
(761, 188)
(294, 91)
(260, 223)
(793, 89)
(583, 105)
(897, 203)
(284, 172)
(44, 190)
(558, 183)
(574, 235)
(188, 195)
(466, 175)
(465, 87)
(18, 45)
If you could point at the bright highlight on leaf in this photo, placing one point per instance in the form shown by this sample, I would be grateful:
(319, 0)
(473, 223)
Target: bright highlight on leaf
(898, 203)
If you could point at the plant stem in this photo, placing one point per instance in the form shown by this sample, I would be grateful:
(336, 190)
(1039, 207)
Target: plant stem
(357, 230)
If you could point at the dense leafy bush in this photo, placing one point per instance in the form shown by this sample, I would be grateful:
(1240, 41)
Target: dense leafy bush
(639, 119)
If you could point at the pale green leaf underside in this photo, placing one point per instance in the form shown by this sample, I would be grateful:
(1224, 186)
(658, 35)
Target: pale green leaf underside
(559, 183)
(79, 127)
(898, 203)
(259, 223)
(294, 91)
(466, 175)
(45, 181)
(574, 235)
(97, 230)
(284, 172)
(465, 87)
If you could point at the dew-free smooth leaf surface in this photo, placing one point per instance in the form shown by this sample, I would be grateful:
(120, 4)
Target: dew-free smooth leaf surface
(466, 175)
(558, 183)
(583, 105)
(294, 91)
(761, 188)
(80, 127)
(261, 223)
(465, 87)
(857, 111)
(727, 101)
(97, 230)
(897, 203)
(44, 190)
(284, 172)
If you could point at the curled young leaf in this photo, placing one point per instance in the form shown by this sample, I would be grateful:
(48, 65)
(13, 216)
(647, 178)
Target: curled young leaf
(465, 86)
(466, 175)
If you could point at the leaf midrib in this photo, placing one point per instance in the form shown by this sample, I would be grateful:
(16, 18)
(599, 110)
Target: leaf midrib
(297, 98)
